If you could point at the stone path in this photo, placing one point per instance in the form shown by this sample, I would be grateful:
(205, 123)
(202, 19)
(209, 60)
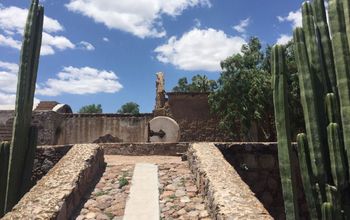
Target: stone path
(179, 198)
(107, 201)
(144, 195)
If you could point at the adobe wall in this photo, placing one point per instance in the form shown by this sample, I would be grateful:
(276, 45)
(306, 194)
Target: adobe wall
(192, 112)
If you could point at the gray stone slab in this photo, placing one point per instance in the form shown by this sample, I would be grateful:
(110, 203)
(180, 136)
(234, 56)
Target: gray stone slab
(143, 202)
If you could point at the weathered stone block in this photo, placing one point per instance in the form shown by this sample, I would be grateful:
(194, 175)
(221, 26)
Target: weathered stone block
(57, 194)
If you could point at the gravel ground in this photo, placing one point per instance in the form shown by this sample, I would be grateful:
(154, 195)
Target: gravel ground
(107, 201)
(179, 197)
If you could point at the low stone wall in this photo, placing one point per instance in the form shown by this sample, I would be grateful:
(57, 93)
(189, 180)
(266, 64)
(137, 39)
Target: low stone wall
(257, 164)
(64, 187)
(227, 196)
(145, 149)
(47, 157)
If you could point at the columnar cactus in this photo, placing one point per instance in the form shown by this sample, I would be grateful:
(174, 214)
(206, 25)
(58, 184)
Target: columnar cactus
(324, 67)
(24, 137)
(312, 116)
(4, 159)
(285, 151)
(342, 64)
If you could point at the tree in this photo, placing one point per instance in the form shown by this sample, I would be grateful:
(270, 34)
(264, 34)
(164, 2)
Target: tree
(129, 108)
(244, 93)
(91, 109)
(200, 83)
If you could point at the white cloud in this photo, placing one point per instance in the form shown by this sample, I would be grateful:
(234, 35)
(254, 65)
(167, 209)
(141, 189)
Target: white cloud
(105, 39)
(52, 43)
(10, 42)
(8, 85)
(284, 39)
(294, 17)
(8, 77)
(85, 80)
(142, 19)
(86, 46)
(199, 49)
(13, 19)
(12, 22)
(243, 24)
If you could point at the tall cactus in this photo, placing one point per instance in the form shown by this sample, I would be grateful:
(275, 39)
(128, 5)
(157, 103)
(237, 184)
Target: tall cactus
(309, 182)
(324, 77)
(311, 111)
(4, 159)
(285, 151)
(342, 65)
(23, 141)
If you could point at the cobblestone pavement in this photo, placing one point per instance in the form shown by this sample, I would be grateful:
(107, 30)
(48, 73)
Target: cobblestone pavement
(179, 197)
(107, 201)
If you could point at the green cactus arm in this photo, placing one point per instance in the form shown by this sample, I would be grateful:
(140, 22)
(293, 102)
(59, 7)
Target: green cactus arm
(331, 107)
(23, 109)
(325, 44)
(308, 178)
(342, 64)
(316, 65)
(337, 156)
(346, 6)
(285, 151)
(28, 167)
(327, 211)
(4, 158)
(310, 109)
(36, 55)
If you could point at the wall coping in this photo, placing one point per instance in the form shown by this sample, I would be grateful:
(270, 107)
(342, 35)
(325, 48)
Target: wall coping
(227, 196)
(59, 192)
(107, 115)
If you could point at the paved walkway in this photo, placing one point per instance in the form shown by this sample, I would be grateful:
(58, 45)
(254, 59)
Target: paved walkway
(159, 184)
(143, 203)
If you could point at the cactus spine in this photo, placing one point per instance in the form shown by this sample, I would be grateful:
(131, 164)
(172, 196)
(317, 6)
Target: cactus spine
(23, 143)
(324, 66)
(283, 133)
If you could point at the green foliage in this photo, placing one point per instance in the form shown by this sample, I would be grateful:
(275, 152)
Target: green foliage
(199, 84)
(123, 181)
(129, 108)
(243, 93)
(91, 109)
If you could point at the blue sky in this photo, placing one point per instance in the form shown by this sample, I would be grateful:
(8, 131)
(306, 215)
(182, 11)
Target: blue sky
(107, 52)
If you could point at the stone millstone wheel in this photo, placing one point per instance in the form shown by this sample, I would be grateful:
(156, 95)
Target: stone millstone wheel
(163, 129)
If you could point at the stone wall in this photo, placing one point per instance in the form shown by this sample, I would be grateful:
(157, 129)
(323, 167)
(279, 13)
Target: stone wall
(86, 128)
(257, 164)
(227, 196)
(64, 187)
(47, 157)
(145, 149)
(55, 128)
